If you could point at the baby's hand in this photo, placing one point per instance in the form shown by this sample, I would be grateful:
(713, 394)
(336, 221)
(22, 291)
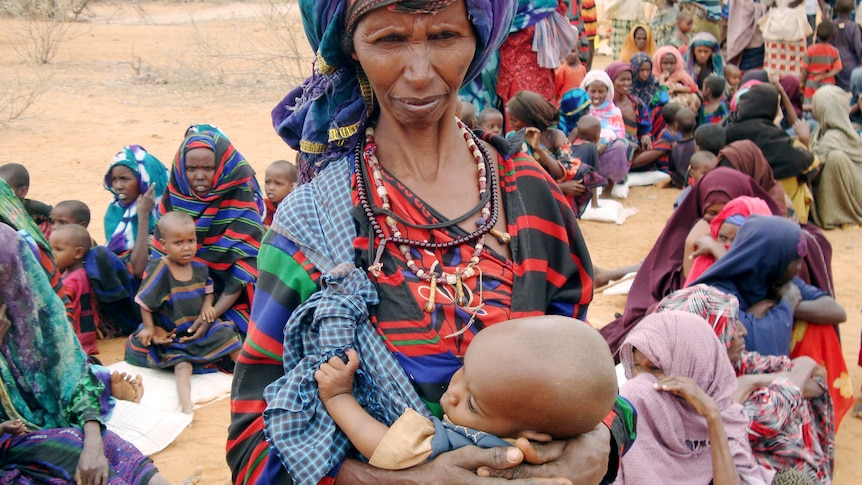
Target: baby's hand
(336, 377)
(208, 314)
(13, 426)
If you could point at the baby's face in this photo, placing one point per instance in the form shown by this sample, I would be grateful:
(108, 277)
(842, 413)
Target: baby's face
(478, 405)
(733, 78)
(493, 124)
(727, 233)
(278, 185)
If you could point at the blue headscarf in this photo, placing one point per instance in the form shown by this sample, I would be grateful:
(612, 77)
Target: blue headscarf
(324, 116)
(759, 255)
(574, 104)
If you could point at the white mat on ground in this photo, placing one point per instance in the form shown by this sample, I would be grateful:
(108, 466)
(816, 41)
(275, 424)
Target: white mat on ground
(157, 421)
(640, 179)
(621, 288)
(608, 211)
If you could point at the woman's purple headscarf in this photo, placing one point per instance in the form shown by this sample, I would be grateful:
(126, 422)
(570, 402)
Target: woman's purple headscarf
(324, 116)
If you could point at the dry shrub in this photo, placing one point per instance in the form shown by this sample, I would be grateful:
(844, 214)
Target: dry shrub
(43, 25)
(17, 96)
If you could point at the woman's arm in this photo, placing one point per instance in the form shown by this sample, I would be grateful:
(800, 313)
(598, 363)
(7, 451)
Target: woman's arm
(141, 252)
(824, 310)
(92, 465)
(723, 468)
(700, 229)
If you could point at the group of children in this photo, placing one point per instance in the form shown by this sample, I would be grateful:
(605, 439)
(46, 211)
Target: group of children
(173, 313)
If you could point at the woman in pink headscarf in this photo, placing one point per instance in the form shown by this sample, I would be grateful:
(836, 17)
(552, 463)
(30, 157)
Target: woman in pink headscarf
(722, 230)
(689, 428)
(668, 67)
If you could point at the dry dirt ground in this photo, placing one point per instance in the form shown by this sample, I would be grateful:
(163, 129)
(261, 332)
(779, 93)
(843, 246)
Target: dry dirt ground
(140, 73)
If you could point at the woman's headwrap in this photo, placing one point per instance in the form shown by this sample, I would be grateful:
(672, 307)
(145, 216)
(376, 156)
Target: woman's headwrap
(121, 219)
(708, 40)
(630, 48)
(644, 90)
(597, 75)
(324, 116)
(679, 75)
(616, 68)
(719, 309)
(574, 104)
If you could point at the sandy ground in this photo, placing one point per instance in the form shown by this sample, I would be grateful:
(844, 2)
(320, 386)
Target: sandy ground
(140, 73)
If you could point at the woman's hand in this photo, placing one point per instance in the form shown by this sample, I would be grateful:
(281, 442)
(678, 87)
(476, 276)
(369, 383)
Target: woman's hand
(791, 293)
(531, 136)
(572, 187)
(803, 131)
(208, 314)
(92, 465)
(13, 426)
(5, 323)
(687, 389)
(146, 202)
(196, 331)
(581, 460)
(646, 143)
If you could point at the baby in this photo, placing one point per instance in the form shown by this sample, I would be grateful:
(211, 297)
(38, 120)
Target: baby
(701, 162)
(490, 120)
(585, 152)
(468, 114)
(733, 76)
(503, 389)
(279, 181)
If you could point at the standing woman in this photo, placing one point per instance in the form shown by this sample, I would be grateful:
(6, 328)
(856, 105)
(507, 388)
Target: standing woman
(212, 182)
(422, 236)
(639, 40)
(137, 179)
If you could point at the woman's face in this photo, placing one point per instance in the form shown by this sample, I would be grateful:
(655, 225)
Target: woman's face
(702, 54)
(415, 63)
(623, 83)
(124, 183)
(668, 63)
(712, 211)
(597, 92)
(640, 38)
(642, 365)
(790, 272)
(200, 170)
(515, 123)
(645, 71)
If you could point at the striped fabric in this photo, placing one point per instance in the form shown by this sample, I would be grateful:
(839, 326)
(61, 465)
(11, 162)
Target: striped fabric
(51, 457)
(176, 305)
(549, 258)
(228, 220)
(819, 59)
(553, 39)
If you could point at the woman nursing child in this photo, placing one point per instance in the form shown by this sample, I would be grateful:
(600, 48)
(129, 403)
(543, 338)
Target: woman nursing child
(614, 149)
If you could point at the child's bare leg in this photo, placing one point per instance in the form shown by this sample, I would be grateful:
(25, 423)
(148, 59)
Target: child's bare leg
(183, 374)
(606, 191)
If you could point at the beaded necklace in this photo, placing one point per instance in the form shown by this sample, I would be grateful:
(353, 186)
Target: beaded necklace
(366, 159)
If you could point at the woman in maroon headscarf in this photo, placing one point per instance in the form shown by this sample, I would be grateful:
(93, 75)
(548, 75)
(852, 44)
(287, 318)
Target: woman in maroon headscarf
(636, 115)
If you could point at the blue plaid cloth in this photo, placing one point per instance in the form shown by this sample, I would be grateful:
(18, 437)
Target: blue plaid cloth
(305, 438)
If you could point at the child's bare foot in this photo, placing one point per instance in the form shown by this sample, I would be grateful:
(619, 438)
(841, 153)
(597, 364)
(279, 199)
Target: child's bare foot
(126, 387)
(857, 410)
(194, 478)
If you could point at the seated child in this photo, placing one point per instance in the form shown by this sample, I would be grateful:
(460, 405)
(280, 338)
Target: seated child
(279, 181)
(701, 163)
(658, 157)
(501, 390)
(733, 76)
(710, 138)
(665, 117)
(822, 62)
(614, 150)
(490, 120)
(722, 231)
(582, 175)
(18, 178)
(180, 327)
(468, 114)
(70, 244)
(714, 110)
(683, 149)
(70, 212)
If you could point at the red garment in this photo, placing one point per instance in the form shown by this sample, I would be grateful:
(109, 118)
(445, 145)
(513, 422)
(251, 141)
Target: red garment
(83, 314)
(819, 59)
(568, 77)
(519, 69)
(270, 212)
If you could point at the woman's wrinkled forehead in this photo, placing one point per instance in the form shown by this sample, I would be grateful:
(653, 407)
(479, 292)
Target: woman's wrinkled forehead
(357, 8)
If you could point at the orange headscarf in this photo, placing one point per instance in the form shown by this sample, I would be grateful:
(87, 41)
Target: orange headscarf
(629, 47)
